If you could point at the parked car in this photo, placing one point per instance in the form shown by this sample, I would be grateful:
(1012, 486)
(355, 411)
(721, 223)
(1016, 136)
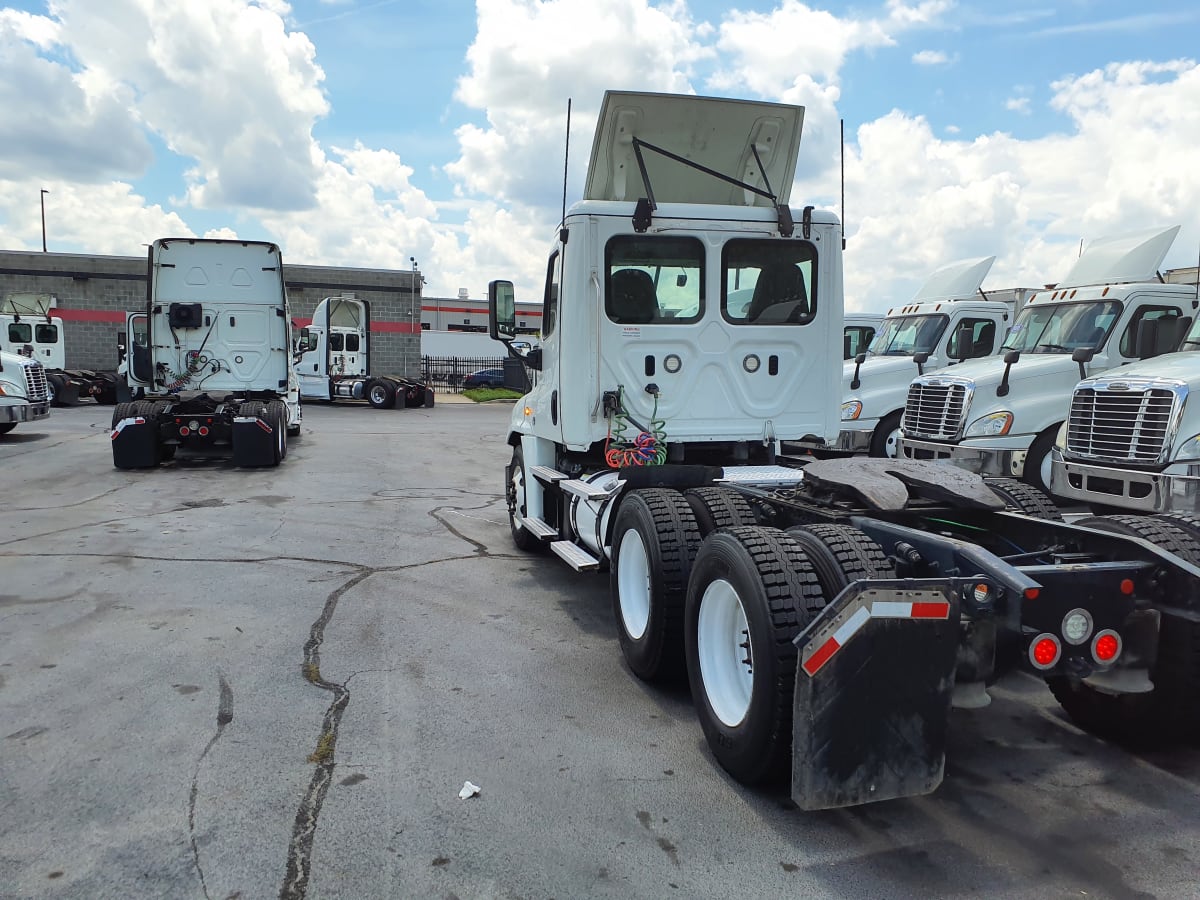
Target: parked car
(485, 378)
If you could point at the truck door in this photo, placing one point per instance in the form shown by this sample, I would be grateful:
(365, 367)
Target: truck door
(548, 389)
(139, 369)
(311, 367)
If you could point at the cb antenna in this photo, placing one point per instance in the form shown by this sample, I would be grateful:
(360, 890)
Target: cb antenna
(566, 158)
(842, 122)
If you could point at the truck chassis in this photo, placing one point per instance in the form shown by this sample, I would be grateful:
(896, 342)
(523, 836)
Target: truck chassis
(828, 615)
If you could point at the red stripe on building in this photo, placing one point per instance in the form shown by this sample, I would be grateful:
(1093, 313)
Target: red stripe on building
(87, 315)
(818, 659)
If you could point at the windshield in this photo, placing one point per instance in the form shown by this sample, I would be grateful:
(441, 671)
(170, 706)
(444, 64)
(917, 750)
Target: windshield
(906, 335)
(1063, 327)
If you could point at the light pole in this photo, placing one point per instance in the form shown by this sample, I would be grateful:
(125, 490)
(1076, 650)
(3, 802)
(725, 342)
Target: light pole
(412, 286)
(43, 199)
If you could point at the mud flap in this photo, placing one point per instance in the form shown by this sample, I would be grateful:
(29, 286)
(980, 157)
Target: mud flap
(874, 678)
(134, 444)
(253, 442)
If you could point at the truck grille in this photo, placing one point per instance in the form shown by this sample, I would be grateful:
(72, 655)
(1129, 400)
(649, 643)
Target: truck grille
(1132, 425)
(935, 411)
(35, 382)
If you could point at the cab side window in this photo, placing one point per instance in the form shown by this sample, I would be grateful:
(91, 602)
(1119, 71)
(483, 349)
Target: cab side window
(1153, 330)
(550, 300)
(982, 337)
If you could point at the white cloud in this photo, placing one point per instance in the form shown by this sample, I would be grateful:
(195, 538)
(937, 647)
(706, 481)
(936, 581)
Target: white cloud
(930, 58)
(1018, 105)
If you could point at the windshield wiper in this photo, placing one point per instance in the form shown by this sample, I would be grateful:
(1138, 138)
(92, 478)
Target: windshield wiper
(1058, 347)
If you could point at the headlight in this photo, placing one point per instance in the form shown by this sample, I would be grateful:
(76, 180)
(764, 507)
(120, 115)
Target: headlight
(1060, 439)
(991, 425)
(851, 410)
(1189, 449)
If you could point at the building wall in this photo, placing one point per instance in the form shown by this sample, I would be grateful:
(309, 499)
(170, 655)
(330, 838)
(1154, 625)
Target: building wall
(95, 292)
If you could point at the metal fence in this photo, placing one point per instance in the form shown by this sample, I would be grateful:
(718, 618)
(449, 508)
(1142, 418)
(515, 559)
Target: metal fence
(447, 373)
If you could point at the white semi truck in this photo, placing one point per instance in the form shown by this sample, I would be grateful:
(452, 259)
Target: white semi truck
(210, 358)
(690, 328)
(333, 359)
(948, 321)
(23, 391)
(1131, 439)
(1000, 415)
(29, 327)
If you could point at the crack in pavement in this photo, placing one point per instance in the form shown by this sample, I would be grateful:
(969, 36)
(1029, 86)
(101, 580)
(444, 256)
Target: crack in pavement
(65, 505)
(299, 861)
(224, 717)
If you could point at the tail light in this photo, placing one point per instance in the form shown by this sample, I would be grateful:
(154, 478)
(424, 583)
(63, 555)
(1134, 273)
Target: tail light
(1045, 651)
(1106, 646)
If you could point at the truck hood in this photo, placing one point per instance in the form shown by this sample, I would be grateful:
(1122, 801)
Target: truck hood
(986, 373)
(716, 133)
(878, 370)
(1183, 367)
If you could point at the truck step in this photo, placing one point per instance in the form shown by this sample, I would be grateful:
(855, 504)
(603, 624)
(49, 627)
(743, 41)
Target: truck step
(583, 489)
(547, 474)
(575, 556)
(539, 529)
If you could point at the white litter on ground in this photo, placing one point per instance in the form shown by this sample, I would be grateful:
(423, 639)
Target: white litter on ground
(469, 790)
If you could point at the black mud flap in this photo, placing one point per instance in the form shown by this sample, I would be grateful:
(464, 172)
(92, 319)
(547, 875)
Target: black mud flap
(134, 444)
(429, 398)
(874, 677)
(253, 442)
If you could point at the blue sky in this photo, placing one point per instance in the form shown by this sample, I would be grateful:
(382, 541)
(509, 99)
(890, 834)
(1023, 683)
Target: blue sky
(366, 133)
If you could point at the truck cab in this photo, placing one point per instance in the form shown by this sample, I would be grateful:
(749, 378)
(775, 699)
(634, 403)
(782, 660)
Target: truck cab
(1131, 440)
(334, 346)
(23, 391)
(1000, 415)
(858, 330)
(679, 303)
(946, 323)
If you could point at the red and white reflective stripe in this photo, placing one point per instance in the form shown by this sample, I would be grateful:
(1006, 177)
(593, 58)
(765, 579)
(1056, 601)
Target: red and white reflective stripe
(121, 425)
(877, 609)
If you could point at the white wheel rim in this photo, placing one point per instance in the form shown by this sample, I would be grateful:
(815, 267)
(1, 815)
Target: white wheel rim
(723, 648)
(889, 447)
(518, 483)
(633, 584)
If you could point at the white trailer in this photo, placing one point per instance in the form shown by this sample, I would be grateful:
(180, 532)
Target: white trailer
(1000, 415)
(23, 391)
(690, 328)
(949, 320)
(333, 359)
(210, 358)
(29, 327)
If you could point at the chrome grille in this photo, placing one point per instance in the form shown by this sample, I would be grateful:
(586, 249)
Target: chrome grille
(935, 411)
(1132, 425)
(35, 382)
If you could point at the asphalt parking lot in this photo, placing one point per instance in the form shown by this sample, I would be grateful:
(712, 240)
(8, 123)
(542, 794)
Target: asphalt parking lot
(227, 683)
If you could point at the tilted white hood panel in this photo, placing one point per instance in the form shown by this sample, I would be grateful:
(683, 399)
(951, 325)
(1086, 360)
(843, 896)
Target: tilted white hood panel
(955, 281)
(713, 132)
(1121, 258)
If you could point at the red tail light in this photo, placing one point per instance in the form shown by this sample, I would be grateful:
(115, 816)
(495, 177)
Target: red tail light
(1106, 646)
(1044, 651)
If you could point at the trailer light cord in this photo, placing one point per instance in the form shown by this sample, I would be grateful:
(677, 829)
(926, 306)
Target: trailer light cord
(647, 448)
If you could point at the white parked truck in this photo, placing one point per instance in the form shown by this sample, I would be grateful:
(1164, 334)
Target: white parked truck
(1131, 439)
(23, 393)
(819, 608)
(1000, 415)
(946, 322)
(210, 358)
(29, 327)
(333, 359)
(858, 329)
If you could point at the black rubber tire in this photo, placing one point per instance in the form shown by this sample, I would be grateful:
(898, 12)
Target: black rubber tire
(277, 417)
(841, 554)
(380, 394)
(1025, 499)
(54, 389)
(1172, 710)
(664, 525)
(1039, 450)
(106, 395)
(1187, 522)
(121, 411)
(522, 537)
(718, 507)
(779, 594)
(879, 438)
